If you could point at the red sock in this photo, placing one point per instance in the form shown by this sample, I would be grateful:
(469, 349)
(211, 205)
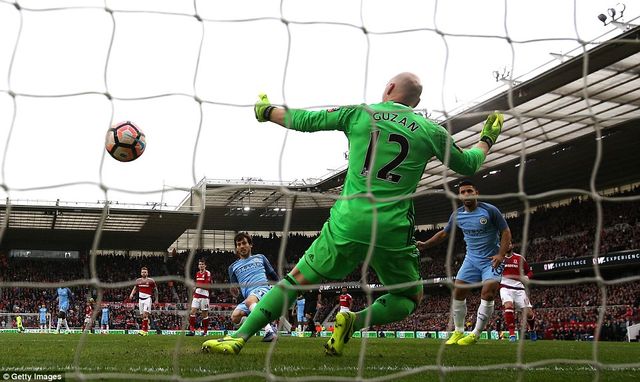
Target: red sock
(510, 320)
(205, 325)
(192, 322)
(145, 324)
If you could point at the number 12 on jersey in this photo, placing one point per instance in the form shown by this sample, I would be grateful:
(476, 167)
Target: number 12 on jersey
(386, 172)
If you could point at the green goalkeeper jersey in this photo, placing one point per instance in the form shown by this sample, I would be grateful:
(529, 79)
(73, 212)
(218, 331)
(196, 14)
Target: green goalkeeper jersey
(389, 147)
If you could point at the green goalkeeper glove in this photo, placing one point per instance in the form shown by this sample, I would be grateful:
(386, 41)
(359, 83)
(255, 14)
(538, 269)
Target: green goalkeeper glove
(492, 128)
(263, 108)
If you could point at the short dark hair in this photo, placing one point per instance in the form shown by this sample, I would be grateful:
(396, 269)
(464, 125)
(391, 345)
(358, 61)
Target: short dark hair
(201, 260)
(467, 182)
(242, 235)
(144, 268)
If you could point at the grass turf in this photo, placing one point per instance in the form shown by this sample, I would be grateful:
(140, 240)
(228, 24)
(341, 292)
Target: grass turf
(147, 357)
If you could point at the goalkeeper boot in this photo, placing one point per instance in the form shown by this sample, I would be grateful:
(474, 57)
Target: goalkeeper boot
(143, 333)
(342, 332)
(225, 345)
(469, 339)
(455, 337)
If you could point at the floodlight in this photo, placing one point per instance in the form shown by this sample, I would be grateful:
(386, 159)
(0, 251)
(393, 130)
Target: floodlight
(602, 18)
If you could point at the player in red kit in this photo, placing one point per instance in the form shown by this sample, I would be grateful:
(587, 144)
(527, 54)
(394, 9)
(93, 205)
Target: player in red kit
(88, 311)
(200, 299)
(145, 286)
(346, 302)
(513, 294)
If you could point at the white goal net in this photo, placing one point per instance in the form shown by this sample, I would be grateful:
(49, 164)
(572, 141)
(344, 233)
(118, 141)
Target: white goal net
(564, 73)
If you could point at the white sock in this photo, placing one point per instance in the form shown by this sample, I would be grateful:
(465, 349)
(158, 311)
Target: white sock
(485, 311)
(459, 314)
(66, 325)
(58, 325)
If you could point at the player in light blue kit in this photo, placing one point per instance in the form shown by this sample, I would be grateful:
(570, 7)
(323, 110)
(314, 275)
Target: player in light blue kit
(252, 272)
(43, 317)
(64, 296)
(104, 319)
(300, 302)
(488, 238)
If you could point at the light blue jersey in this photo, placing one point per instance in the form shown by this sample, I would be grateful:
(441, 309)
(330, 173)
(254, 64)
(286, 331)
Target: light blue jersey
(64, 295)
(300, 309)
(104, 320)
(43, 315)
(251, 273)
(481, 228)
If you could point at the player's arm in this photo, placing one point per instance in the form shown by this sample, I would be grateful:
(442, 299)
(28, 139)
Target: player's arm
(438, 238)
(434, 240)
(133, 292)
(467, 162)
(528, 272)
(271, 273)
(300, 120)
(505, 242)
(234, 290)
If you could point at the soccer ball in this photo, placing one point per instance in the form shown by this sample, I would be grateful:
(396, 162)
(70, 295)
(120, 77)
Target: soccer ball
(125, 141)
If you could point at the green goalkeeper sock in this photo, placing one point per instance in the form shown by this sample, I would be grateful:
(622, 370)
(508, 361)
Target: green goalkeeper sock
(269, 308)
(387, 308)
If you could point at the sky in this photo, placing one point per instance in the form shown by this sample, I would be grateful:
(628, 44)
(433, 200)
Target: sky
(327, 53)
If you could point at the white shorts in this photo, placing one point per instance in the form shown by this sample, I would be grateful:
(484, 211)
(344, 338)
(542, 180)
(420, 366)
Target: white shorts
(517, 296)
(200, 303)
(344, 309)
(87, 320)
(144, 305)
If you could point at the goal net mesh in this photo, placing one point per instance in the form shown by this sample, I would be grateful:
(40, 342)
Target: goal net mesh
(189, 66)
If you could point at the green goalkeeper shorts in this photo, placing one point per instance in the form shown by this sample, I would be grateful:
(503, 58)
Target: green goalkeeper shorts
(332, 258)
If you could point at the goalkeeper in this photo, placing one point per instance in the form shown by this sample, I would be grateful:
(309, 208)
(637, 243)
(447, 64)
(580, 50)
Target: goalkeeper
(389, 147)
(19, 325)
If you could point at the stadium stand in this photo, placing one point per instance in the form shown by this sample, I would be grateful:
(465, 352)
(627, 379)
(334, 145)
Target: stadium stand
(566, 312)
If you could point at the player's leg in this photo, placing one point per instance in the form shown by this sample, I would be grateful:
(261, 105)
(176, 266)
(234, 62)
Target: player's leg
(204, 311)
(506, 296)
(490, 286)
(145, 308)
(64, 319)
(252, 302)
(192, 317)
(522, 302)
(531, 323)
(59, 321)
(510, 319)
(392, 267)
(467, 274)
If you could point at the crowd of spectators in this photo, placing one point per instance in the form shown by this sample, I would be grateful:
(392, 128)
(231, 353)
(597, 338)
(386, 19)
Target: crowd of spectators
(568, 311)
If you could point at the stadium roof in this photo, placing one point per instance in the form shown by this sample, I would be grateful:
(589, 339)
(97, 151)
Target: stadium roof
(74, 227)
(551, 119)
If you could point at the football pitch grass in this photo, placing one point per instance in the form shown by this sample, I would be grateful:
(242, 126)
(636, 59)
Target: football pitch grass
(150, 357)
